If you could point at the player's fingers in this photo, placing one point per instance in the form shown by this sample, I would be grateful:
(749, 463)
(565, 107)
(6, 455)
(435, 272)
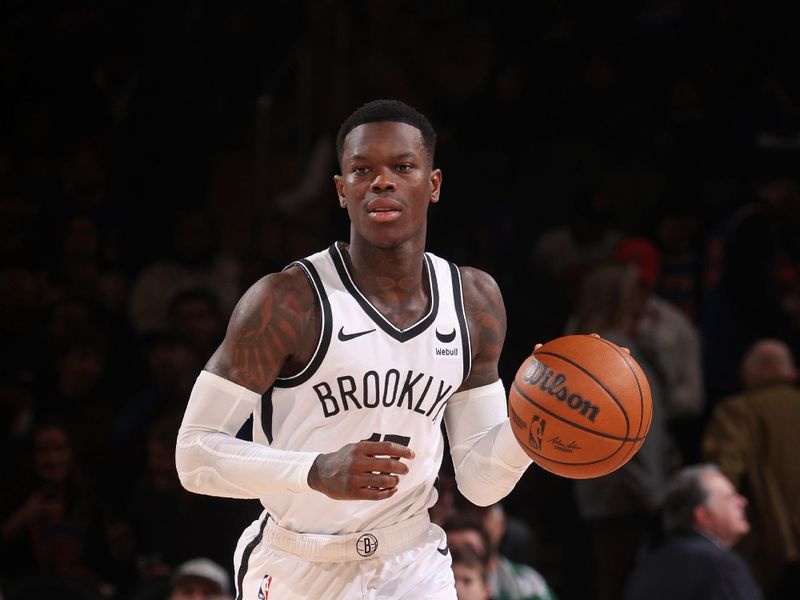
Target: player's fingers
(375, 494)
(536, 347)
(387, 449)
(597, 335)
(384, 465)
(625, 349)
(380, 481)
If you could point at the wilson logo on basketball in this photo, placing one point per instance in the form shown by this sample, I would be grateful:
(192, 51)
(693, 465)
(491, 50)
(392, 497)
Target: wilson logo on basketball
(555, 384)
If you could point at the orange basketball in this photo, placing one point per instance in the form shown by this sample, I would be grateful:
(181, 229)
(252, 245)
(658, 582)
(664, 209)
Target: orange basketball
(580, 406)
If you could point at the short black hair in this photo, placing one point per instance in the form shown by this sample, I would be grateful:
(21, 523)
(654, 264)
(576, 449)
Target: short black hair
(381, 110)
(685, 491)
(470, 558)
(468, 522)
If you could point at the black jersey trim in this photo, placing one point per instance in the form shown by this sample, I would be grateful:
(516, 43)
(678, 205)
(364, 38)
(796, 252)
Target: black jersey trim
(325, 336)
(266, 414)
(401, 335)
(248, 550)
(461, 315)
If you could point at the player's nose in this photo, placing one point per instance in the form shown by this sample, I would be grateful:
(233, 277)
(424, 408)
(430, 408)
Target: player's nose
(383, 182)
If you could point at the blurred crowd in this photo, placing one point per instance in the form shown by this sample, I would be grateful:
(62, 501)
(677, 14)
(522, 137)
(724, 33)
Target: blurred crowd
(630, 170)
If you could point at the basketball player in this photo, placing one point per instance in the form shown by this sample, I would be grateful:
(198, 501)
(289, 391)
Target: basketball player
(349, 360)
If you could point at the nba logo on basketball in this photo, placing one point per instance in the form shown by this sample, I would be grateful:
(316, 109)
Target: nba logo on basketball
(263, 593)
(536, 432)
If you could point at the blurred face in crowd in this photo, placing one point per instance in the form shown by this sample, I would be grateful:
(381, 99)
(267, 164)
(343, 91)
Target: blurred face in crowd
(52, 454)
(80, 369)
(723, 513)
(198, 319)
(469, 538)
(470, 584)
(172, 363)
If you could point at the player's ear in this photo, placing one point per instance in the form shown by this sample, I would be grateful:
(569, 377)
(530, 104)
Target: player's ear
(436, 185)
(338, 181)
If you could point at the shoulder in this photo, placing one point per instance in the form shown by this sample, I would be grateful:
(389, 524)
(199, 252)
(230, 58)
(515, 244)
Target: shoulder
(479, 287)
(273, 328)
(291, 286)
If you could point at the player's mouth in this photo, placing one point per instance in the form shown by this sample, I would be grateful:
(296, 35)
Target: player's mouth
(384, 210)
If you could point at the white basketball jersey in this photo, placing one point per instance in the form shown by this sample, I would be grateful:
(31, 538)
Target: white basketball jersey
(368, 380)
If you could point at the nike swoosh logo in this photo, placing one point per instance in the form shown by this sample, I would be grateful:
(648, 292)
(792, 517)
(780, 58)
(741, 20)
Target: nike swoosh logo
(344, 337)
(446, 338)
(444, 551)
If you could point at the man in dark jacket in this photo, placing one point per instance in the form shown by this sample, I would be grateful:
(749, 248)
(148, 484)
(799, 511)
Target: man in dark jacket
(704, 517)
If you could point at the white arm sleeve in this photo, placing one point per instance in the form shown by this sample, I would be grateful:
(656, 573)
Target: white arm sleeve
(487, 459)
(211, 460)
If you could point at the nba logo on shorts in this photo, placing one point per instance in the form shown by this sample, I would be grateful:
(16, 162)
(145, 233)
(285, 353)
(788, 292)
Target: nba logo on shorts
(263, 592)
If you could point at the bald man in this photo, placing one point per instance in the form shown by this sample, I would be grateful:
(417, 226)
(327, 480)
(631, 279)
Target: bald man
(704, 517)
(755, 438)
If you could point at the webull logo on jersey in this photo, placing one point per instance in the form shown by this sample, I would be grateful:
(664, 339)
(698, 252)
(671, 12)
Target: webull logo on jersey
(442, 351)
(413, 391)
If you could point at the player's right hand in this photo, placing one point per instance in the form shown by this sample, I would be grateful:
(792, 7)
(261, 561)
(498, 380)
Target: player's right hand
(360, 471)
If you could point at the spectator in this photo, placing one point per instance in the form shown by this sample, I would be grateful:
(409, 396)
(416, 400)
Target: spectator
(671, 343)
(471, 574)
(678, 235)
(620, 508)
(512, 536)
(507, 580)
(200, 579)
(753, 436)
(704, 516)
(195, 579)
(186, 524)
(196, 261)
(55, 524)
(173, 366)
(565, 253)
(751, 279)
(198, 315)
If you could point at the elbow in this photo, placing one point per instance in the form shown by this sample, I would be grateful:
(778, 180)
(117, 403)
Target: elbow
(188, 482)
(192, 481)
(188, 473)
(478, 492)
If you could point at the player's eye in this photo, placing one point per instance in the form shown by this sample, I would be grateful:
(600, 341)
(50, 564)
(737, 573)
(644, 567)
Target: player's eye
(360, 170)
(404, 168)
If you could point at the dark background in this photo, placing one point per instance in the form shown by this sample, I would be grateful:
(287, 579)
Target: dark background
(121, 120)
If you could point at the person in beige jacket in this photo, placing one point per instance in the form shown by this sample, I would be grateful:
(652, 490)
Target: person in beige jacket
(754, 438)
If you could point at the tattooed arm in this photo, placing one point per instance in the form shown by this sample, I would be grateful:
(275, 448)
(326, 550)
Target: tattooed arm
(486, 318)
(273, 331)
(487, 459)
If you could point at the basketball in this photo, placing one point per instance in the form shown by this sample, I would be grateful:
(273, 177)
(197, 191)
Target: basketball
(580, 406)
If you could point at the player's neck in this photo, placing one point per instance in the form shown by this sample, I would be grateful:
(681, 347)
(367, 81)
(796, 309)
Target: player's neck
(378, 271)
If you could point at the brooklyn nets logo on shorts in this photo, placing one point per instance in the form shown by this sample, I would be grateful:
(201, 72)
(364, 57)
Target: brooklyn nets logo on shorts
(367, 544)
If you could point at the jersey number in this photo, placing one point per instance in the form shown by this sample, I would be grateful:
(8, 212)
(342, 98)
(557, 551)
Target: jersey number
(389, 437)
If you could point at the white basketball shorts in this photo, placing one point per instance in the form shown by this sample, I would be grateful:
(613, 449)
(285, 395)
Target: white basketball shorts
(409, 560)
